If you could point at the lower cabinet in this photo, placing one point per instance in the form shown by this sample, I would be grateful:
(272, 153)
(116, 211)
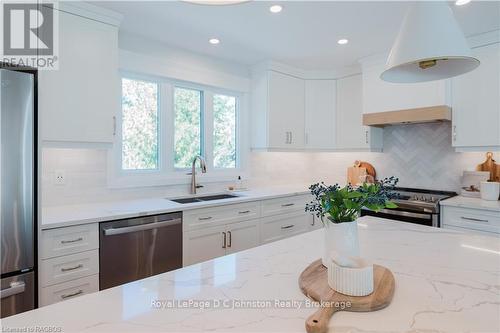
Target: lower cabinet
(214, 232)
(282, 226)
(68, 290)
(474, 220)
(69, 265)
(213, 242)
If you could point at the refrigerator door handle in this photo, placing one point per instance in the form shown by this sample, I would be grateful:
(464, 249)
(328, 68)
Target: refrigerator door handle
(17, 287)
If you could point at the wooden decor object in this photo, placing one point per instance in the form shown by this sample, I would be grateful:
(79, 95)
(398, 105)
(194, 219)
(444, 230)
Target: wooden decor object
(314, 284)
(490, 166)
(409, 116)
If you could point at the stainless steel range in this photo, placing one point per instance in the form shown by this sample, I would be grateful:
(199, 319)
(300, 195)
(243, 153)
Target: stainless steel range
(419, 206)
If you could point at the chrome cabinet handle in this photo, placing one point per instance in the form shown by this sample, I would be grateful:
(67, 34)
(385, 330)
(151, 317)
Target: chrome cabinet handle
(288, 226)
(72, 241)
(141, 227)
(314, 221)
(15, 288)
(307, 138)
(244, 212)
(474, 219)
(223, 240)
(205, 218)
(288, 205)
(287, 140)
(79, 292)
(114, 125)
(71, 268)
(366, 136)
(454, 132)
(230, 239)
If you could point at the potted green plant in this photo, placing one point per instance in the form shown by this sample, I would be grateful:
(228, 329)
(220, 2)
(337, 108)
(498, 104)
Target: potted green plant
(340, 207)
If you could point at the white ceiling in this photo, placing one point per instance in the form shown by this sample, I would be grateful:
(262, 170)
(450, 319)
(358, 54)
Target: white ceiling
(304, 34)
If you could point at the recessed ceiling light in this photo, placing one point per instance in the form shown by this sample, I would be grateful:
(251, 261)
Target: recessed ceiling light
(342, 41)
(462, 2)
(275, 9)
(214, 41)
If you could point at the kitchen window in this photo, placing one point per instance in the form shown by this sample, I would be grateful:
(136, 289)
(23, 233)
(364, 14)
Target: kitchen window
(139, 125)
(164, 124)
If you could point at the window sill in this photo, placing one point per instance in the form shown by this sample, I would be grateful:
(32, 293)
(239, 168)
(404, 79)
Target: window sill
(135, 180)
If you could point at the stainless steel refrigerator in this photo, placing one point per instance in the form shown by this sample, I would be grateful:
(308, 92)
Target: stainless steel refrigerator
(18, 190)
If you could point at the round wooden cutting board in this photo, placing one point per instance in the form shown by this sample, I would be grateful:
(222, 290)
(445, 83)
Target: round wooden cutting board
(314, 284)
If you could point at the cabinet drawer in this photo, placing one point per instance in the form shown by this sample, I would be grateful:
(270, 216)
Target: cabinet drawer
(70, 267)
(200, 218)
(68, 290)
(69, 240)
(285, 205)
(480, 220)
(283, 226)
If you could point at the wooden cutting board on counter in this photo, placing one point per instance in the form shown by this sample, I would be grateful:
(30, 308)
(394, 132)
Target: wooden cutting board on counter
(490, 166)
(314, 284)
(357, 173)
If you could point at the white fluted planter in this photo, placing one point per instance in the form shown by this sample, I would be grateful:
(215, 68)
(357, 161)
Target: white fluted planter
(356, 281)
(342, 239)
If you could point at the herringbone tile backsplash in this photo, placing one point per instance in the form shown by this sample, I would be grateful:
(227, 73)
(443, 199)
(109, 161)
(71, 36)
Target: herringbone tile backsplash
(420, 155)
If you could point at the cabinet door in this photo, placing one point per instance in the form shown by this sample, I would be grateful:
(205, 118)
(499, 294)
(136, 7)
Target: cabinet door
(351, 134)
(242, 236)
(204, 244)
(320, 114)
(77, 102)
(476, 101)
(286, 111)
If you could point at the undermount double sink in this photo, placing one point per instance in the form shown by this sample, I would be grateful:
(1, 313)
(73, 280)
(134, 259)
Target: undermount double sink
(204, 198)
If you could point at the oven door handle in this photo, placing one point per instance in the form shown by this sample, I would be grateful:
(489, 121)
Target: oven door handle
(407, 214)
(140, 227)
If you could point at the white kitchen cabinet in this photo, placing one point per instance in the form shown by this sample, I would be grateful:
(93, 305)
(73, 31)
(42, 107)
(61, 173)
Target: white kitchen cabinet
(78, 102)
(242, 236)
(277, 111)
(320, 126)
(278, 227)
(208, 243)
(350, 132)
(382, 96)
(467, 219)
(476, 103)
(204, 244)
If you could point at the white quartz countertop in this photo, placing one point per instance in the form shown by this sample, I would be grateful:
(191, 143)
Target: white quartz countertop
(446, 281)
(62, 216)
(474, 203)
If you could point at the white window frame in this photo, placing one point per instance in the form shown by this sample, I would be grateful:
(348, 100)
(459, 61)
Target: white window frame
(166, 174)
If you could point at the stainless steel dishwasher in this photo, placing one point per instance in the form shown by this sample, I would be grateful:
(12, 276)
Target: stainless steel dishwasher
(136, 248)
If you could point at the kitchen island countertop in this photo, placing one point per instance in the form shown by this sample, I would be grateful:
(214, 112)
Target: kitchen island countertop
(446, 281)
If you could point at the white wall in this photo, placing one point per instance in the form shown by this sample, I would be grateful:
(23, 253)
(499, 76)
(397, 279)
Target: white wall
(420, 155)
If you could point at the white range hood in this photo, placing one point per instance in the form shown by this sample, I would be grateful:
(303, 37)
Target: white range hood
(430, 46)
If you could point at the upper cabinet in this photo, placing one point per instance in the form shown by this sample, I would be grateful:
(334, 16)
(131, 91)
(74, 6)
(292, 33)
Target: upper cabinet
(476, 103)
(278, 111)
(382, 96)
(320, 104)
(350, 133)
(78, 102)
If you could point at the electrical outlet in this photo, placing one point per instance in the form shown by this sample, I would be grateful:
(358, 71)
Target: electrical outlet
(59, 177)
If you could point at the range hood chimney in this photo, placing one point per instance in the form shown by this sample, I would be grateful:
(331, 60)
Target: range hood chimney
(409, 116)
